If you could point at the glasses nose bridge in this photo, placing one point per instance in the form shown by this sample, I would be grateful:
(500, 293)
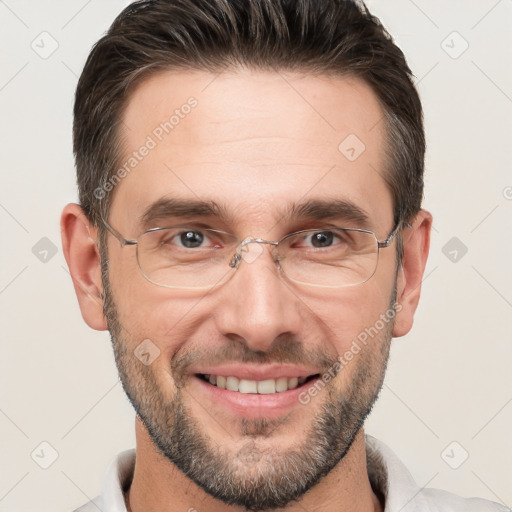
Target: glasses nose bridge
(238, 256)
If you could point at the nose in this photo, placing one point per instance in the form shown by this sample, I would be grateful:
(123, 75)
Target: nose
(256, 305)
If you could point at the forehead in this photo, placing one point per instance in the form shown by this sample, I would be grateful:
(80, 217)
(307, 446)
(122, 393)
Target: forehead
(252, 141)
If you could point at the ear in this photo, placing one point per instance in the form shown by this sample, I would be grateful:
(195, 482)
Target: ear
(79, 242)
(416, 243)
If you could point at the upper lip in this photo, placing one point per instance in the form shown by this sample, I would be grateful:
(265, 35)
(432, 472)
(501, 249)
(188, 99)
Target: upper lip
(257, 372)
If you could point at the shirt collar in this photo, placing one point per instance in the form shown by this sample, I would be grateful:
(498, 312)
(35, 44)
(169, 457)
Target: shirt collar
(392, 480)
(118, 478)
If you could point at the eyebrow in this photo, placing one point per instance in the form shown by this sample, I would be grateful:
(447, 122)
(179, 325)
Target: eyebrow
(314, 209)
(173, 207)
(321, 209)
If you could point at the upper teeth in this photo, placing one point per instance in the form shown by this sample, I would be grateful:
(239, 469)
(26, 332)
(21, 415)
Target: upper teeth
(263, 387)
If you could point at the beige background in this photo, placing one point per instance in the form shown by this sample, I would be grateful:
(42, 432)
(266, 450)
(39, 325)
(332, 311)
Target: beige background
(449, 379)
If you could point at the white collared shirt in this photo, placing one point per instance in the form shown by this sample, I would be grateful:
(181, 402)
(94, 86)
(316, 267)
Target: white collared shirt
(387, 474)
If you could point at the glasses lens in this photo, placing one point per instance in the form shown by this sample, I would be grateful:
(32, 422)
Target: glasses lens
(186, 257)
(195, 258)
(332, 257)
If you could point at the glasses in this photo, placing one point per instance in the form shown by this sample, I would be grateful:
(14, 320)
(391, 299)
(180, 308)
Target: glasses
(186, 257)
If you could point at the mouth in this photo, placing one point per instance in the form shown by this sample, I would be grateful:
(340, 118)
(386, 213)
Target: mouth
(260, 387)
(252, 391)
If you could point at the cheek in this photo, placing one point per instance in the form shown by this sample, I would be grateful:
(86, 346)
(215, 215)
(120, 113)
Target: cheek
(169, 318)
(349, 312)
(361, 338)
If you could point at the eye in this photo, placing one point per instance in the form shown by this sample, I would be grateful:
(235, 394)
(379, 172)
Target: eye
(186, 240)
(322, 239)
(190, 239)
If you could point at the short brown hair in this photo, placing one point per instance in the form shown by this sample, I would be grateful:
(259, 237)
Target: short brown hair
(336, 37)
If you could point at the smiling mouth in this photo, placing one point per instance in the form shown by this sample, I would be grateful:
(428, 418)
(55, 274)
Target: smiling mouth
(261, 387)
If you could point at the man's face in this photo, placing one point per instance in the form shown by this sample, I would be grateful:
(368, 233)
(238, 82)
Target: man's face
(255, 144)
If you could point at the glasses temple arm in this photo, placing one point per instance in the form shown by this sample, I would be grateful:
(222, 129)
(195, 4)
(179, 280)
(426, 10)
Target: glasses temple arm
(122, 240)
(399, 225)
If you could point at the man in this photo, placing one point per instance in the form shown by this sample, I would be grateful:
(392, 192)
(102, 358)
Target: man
(251, 233)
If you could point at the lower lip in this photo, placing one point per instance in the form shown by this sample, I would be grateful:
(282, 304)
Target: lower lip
(253, 405)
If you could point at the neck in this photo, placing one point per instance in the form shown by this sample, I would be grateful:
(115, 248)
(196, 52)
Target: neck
(159, 486)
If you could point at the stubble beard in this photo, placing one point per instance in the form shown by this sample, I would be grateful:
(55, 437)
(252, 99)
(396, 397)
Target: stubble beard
(251, 477)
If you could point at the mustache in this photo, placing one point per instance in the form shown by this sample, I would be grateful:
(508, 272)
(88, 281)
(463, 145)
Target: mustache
(283, 350)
